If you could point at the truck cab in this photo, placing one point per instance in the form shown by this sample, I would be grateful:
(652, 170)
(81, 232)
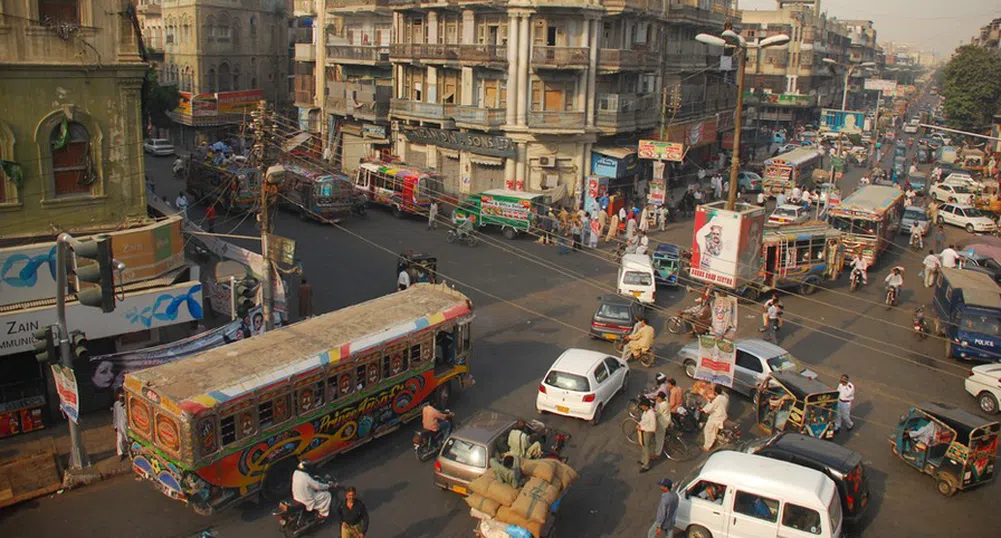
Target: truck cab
(968, 313)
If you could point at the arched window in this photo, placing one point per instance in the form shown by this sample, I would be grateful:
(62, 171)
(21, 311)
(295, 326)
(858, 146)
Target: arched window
(209, 29)
(72, 168)
(236, 78)
(67, 11)
(225, 78)
(253, 29)
(185, 30)
(169, 36)
(253, 83)
(210, 80)
(222, 30)
(235, 31)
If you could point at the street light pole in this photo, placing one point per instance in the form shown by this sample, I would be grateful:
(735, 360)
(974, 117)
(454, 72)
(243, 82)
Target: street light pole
(78, 454)
(731, 201)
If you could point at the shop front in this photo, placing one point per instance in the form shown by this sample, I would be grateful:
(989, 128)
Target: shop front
(619, 165)
(211, 116)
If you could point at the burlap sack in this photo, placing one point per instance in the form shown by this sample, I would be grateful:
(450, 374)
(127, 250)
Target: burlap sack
(483, 504)
(506, 515)
(544, 469)
(534, 500)
(565, 475)
(488, 486)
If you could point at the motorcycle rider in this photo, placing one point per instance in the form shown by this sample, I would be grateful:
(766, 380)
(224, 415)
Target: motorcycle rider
(435, 423)
(310, 492)
(662, 386)
(917, 235)
(178, 166)
(464, 228)
(860, 265)
(639, 341)
(895, 280)
(773, 312)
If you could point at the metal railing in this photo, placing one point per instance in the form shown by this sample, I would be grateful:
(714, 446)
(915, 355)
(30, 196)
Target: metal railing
(627, 58)
(481, 117)
(417, 109)
(450, 52)
(361, 53)
(556, 119)
(559, 56)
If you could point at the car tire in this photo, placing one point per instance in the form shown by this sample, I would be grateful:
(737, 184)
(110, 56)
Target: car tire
(509, 232)
(596, 419)
(941, 219)
(988, 403)
(969, 228)
(690, 368)
(696, 531)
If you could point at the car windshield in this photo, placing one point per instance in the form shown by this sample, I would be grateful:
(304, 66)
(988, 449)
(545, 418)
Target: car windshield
(784, 212)
(973, 212)
(565, 381)
(465, 453)
(980, 324)
(781, 362)
(636, 278)
(914, 214)
(618, 312)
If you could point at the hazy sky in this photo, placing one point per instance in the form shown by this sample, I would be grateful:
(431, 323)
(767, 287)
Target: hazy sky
(938, 25)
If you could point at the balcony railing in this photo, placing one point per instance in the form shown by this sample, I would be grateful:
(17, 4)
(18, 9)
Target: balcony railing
(451, 52)
(647, 5)
(559, 57)
(305, 52)
(626, 59)
(340, 5)
(484, 118)
(556, 120)
(358, 53)
(427, 111)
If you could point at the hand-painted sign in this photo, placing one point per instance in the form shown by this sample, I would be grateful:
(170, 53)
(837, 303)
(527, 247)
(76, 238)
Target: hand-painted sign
(656, 149)
(498, 146)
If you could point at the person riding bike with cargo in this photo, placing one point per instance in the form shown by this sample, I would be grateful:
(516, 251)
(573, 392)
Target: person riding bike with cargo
(895, 280)
(639, 341)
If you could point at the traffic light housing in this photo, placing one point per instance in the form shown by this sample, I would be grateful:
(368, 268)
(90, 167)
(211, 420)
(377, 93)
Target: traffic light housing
(46, 349)
(78, 345)
(101, 273)
(246, 291)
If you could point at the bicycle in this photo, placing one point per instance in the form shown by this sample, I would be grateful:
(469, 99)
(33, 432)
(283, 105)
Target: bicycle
(676, 448)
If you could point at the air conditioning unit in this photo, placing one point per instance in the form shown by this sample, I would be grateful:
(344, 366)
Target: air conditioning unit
(547, 161)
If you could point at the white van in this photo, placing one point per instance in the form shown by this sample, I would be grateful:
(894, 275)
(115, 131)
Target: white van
(636, 278)
(738, 495)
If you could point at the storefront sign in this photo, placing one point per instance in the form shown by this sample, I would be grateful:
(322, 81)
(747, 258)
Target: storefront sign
(665, 151)
(281, 249)
(717, 358)
(373, 131)
(241, 102)
(498, 146)
(29, 273)
(21, 416)
(69, 397)
(204, 104)
(148, 309)
(725, 121)
(888, 87)
(597, 187)
(604, 165)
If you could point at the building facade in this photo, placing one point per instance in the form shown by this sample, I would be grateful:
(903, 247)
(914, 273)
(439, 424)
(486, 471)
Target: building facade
(530, 95)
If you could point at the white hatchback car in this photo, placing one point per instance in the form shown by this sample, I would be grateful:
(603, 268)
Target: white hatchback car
(158, 146)
(967, 217)
(788, 214)
(984, 384)
(581, 383)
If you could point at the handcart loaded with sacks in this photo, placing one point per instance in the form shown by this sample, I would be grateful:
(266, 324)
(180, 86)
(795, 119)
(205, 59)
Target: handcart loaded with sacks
(527, 511)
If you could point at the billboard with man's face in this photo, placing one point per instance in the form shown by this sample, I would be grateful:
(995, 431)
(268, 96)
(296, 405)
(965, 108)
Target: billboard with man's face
(842, 121)
(726, 246)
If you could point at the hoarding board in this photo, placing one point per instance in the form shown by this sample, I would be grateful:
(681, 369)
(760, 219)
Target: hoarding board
(726, 245)
(888, 87)
(717, 357)
(657, 149)
(241, 102)
(842, 121)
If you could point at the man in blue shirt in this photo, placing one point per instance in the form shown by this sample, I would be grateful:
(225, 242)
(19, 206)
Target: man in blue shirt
(667, 511)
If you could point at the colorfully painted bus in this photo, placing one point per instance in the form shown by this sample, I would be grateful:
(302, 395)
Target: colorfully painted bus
(402, 188)
(868, 219)
(233, 183)
(232, 422)
(316, 194)
(785, 171)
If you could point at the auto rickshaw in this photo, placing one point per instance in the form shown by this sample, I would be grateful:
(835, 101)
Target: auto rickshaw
(989, 199)
(667, 264)
(422, 267)
(788, 401)
(955, 447)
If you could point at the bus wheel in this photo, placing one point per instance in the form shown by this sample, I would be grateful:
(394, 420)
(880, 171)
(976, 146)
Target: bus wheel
(277, 483)
(443, 395)
(509, 233)
(809, 286)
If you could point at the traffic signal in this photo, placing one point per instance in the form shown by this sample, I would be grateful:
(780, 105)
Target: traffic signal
(78, 345)
(45, 345)
(246, 291)
(101, 272)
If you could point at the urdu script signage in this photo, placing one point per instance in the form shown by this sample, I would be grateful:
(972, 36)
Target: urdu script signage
(497, 146)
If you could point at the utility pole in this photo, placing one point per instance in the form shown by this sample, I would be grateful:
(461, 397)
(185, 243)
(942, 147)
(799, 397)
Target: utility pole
(267, 282)
(78, 454)
(731, 201)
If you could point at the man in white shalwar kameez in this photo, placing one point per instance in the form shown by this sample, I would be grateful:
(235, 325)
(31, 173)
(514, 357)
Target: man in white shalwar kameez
(716, 410)
(312, 493)
(121, 424)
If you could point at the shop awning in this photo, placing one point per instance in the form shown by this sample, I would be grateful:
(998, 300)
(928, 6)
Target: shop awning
(485, 160)
(615, 152)
(450, 153)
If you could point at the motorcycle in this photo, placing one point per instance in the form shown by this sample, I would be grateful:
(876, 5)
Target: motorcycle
(891, 296)
(360, 207)
(690, 320)
(295, 520)
(727, 436)
(920, 323)
(856, 279)
(646, 358)
(427, 444)
(468, 238)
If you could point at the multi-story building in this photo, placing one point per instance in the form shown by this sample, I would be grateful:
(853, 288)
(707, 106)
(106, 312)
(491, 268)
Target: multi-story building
(151, 25)
(237, 50)
(531, 95)
(71, 77)
(989, 35)
(861, 49)
(790, 83)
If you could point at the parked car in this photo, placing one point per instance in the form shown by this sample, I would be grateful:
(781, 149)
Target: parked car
(914, 214)
(840, 464)
(466, 454)
(581, 383)
(964, 179)
(788, 214)
(984, 384)
(943, 191)
(756, 359)
(615, 316)
(748, 181)
(973, 261)
(158, 147)
(967, 217)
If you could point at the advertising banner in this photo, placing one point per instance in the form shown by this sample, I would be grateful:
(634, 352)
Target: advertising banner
(658, 193)
(888, 87)
(842, 121)
(723, 323)
(241, 102)
(204, 104)
(184, 106)
(660, 150)
(596, 188)
(717, 357)
(69, 398)
(726, 246)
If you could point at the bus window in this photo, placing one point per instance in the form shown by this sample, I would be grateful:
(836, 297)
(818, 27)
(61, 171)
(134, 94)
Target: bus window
(247, 426)
(227, 427)
(273, 411)
(373, 372)
(415, 353)
(340, 384)
(310, 397)
(395, 363)
(444, 352)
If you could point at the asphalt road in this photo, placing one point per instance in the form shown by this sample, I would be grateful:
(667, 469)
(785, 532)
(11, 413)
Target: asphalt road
(531, 304)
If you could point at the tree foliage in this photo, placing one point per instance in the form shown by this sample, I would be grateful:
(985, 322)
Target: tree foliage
(157, 101)
(971, 84)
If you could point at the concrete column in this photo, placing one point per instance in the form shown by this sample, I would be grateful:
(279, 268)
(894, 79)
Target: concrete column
(468, 36)
(627, 35)
(432, 26)
(512, 75)
(587, 158)
(468, 96)
(592, 69)
(510, 164)
(521, 167)
(431, 88)
(524, 39)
